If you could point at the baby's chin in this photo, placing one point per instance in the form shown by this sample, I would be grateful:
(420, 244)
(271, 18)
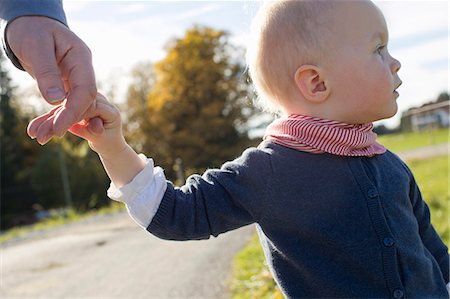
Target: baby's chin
(388, 113)
(394, 109)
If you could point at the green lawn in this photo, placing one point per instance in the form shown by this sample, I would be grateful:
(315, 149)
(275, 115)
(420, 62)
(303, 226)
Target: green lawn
(432, 176)
(251, 277)
(408, 141)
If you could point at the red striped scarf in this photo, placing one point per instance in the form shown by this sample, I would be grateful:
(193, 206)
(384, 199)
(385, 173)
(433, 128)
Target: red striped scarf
(317, 135)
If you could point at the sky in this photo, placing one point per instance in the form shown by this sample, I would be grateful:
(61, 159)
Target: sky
(122, 34)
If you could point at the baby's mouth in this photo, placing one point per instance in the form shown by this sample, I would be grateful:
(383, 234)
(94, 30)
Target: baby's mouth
(395, 90)
(396, 94)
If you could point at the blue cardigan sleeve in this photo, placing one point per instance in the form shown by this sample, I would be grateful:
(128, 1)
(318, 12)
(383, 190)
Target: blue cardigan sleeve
(11, 9)
(428, 234)
(218, 201)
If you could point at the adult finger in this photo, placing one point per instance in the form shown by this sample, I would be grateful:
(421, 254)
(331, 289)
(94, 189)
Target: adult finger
(45, 130)
(36, 122)
(77, 69)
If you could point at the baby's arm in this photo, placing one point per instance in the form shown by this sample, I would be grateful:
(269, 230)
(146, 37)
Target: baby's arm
(220, 200)
(429, 236)
(102, 128)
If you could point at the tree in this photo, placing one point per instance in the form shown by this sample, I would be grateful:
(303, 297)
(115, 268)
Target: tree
(198, 107)
(137, 112)
(31, 174)
(15, 157)
(86, 179)
(443, 96)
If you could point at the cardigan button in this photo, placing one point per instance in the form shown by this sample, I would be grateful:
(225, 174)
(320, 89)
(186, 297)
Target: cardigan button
(372, 193)
(398, 294)
(388, 241)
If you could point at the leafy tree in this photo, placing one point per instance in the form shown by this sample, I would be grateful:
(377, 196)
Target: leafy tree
(137, 112)
(198, 106)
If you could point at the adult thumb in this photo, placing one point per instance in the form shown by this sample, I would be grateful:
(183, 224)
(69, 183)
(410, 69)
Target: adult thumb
(50, 84)
(32, 40)
(43, 67)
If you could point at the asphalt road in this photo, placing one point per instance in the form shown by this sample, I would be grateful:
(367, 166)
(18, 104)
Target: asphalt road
(111, 257)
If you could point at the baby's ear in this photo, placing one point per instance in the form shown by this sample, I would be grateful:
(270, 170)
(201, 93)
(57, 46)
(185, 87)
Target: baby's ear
(310, 81)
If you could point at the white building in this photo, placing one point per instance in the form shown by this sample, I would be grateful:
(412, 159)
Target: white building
(436, 115)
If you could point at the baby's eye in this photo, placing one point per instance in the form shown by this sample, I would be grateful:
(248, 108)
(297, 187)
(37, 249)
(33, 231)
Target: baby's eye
(380, 49)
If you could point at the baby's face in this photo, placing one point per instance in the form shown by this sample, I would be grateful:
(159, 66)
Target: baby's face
(362, 73)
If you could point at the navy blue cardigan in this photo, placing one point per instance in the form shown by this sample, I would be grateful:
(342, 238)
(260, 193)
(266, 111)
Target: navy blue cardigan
(330, 226)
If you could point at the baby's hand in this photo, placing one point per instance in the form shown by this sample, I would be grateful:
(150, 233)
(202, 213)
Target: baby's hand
(102, 128)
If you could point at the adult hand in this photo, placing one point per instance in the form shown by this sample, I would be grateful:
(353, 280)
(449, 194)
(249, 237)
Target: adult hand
(61, 63)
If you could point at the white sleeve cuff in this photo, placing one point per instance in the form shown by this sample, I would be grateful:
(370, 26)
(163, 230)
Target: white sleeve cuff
(143, 194)
(448, 288)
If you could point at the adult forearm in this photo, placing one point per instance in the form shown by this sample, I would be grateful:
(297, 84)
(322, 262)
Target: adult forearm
(123, 167)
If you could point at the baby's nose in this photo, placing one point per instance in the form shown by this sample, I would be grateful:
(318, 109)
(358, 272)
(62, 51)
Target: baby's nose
(396, 65)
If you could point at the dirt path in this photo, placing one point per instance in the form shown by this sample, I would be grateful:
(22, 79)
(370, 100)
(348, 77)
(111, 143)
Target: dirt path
(426, 152)
(111, 257)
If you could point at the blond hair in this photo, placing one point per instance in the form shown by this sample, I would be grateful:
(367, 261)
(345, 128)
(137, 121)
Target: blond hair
(285, 34)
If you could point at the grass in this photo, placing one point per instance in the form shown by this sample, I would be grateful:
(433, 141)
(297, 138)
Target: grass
(251, 277)
(56, 220)
(408, 141)
(432, 176)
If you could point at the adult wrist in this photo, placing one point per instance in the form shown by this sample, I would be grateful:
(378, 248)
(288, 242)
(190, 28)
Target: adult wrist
(11, 11)
(6, 48)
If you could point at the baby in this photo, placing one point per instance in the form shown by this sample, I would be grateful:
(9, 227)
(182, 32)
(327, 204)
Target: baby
(337, 214)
